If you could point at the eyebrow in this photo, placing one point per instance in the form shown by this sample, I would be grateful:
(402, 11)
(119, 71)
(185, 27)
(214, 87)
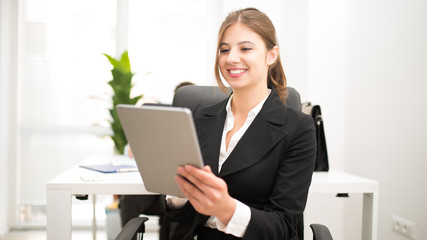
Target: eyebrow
(239, 43)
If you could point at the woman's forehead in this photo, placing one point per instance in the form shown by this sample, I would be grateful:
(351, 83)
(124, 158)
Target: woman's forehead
(240, 33)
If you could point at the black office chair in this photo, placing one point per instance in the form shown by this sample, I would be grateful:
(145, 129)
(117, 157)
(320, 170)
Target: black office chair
(190, 97)
(134, 229)
(320, 232)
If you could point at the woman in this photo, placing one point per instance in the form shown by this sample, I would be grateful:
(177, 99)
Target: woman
(259, 154)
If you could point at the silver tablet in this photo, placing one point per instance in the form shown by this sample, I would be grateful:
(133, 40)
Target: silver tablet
(161, 138)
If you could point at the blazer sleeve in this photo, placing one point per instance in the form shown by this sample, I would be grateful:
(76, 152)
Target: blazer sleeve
(282, 216)
(184, 214)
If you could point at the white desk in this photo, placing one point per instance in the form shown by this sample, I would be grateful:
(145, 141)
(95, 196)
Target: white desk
(61, 189)
(340, 182)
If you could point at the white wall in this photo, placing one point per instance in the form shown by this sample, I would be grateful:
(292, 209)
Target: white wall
(386, 103)
(326, 82)
(3, 127)
(8, 23)
(3, 141)
(367, 69)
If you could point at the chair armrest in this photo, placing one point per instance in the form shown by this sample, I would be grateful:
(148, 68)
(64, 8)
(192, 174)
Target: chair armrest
(320, 232)
(132, 228)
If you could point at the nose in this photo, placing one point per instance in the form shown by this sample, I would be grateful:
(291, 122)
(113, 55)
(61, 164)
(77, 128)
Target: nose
(233, 57)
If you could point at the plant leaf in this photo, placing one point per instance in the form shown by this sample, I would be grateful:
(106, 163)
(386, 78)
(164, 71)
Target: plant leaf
(112, 60)
(124, 62)
(122, 86)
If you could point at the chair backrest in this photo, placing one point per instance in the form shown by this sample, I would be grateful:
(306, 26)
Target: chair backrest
(320, 232)
(191, 96)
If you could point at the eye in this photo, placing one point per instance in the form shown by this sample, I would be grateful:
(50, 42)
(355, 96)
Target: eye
(224, 50)
(246, 49)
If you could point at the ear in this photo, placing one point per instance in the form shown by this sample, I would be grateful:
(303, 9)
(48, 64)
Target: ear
(272, 55)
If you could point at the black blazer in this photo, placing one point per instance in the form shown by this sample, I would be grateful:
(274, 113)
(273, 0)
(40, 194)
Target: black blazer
(269, 170)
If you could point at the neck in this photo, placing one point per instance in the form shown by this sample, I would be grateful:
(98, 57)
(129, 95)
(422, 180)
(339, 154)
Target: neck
(244, 100)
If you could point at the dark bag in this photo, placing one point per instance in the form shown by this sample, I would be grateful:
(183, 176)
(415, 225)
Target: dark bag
(322, 163)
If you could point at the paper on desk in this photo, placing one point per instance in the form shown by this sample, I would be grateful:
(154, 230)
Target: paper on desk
(110, 164)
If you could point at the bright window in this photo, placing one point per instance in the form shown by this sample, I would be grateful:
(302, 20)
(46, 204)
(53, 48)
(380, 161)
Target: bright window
(63, 94)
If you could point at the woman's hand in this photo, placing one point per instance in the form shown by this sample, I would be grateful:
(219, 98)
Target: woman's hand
(206, 192)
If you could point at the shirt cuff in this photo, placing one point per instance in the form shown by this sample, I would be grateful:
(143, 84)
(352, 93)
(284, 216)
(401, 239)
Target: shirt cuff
(238, 223)
(175, 202)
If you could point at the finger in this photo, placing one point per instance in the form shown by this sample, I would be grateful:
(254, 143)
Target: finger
(181, 183)
(194, 195)
(209, 191)
(203, 176)
(207, 168)
(203, 201)
(200, 182)
(188, 186)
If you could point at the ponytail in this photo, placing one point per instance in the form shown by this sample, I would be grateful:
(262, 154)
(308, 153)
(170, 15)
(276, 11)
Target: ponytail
(276, 80)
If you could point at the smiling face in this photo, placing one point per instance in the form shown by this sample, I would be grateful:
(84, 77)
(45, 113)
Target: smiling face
(243, 58)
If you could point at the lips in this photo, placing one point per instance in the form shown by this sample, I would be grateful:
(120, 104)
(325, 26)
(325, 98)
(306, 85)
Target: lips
(236, 72)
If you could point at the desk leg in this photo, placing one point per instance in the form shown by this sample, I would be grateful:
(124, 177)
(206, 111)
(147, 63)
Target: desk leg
(370, 216)
(94, 217)
(58, 214)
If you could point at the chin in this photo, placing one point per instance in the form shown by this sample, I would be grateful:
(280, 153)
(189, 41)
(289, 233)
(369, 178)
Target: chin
(236, 83)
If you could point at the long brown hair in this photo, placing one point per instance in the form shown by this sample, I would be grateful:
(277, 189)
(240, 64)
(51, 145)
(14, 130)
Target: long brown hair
(258, 22)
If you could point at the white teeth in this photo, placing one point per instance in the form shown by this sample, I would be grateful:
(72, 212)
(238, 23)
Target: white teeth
(237, 71)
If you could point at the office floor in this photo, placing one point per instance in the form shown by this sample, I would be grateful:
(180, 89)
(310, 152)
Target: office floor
(76, 235)
(112, 219)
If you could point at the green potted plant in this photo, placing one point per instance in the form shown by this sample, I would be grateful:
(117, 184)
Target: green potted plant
(122, 86)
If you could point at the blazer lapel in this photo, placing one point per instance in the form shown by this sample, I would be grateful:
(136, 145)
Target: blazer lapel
(263, 134)
(209, 126)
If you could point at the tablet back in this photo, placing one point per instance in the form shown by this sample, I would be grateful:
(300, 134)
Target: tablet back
(161, 139)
